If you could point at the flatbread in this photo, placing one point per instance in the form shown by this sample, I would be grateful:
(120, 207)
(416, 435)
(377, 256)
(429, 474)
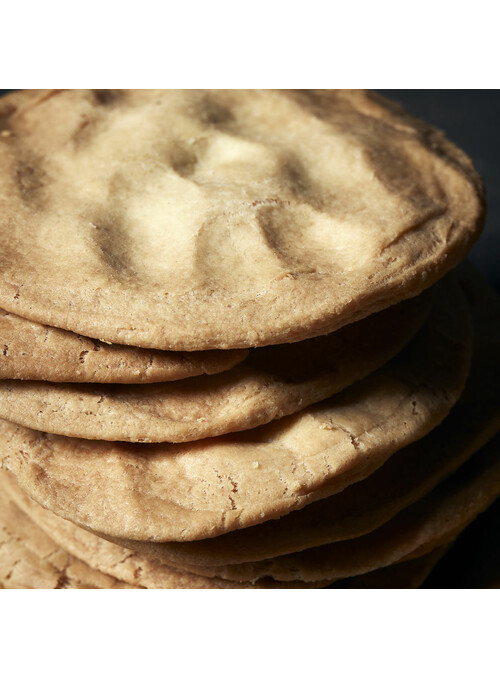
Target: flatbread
(186, 491)
(202, 219)
(410, 574)
(432, 522)
(29, 350)
(274, 381)
(404, 479)
(40, 550)
(123, 564)
(29, 559)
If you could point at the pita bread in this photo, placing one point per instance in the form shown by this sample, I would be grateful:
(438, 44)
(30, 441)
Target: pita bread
(273, 382)
(408, 575)
(202, 219)
(39, 550)
(186, 491)
(30, 350)
(29, 559)
(138, 571)
(432, 522)
(404, 479)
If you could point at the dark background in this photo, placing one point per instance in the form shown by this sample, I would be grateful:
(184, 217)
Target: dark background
(470, 118)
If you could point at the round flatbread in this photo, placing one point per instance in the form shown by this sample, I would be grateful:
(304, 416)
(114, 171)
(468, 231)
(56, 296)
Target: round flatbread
(124, 564)
(201, 219)
(404, 479)
(434, 521)
(274, 381)
(40, 550)
(410, 574)
(29, 350)
(30, 559)
(186, 491)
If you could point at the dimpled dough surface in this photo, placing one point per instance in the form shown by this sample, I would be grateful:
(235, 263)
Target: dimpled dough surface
(190, 220)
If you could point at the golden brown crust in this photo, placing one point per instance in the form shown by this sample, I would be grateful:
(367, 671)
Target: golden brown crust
(29, 350)
(196, 490)
(432, 522)
(273, 382)
(30, 559)
(140, 571)
(223, 218)
(404, 479)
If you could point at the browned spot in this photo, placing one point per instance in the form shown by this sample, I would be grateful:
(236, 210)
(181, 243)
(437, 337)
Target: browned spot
(6, 111)
(214, 114)
(51, 93)
(296, 178)
(30, 179)
(106, 97)
(83, 131)
(183, 159)
(300, 184)
(111, 239)
(63, 581)
(322, 103)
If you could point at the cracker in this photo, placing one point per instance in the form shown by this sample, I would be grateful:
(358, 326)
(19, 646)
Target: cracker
(29, 350)
(404, 479)
(432, 522)
(186, 491)
(139, 571)
(273, 382)
(29, 559)
(202, 219)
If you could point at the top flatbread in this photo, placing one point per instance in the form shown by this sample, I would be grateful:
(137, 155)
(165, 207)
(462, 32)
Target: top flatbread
(30, 350)
(196, 219)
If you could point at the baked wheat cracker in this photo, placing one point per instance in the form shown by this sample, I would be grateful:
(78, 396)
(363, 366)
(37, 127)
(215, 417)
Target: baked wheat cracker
(432, 522)
(274, 381)
(200, 219)
(30, 350)
(29, 559)
(404, 479)
(186, 491)
(123, 564)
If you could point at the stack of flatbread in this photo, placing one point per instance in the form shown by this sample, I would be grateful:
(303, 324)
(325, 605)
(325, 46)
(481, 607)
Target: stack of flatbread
(238, 347)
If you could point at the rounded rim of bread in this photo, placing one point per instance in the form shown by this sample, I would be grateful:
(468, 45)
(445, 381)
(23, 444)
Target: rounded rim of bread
(32, 351)
(274, 381)
(187, 491)
(223, 218)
